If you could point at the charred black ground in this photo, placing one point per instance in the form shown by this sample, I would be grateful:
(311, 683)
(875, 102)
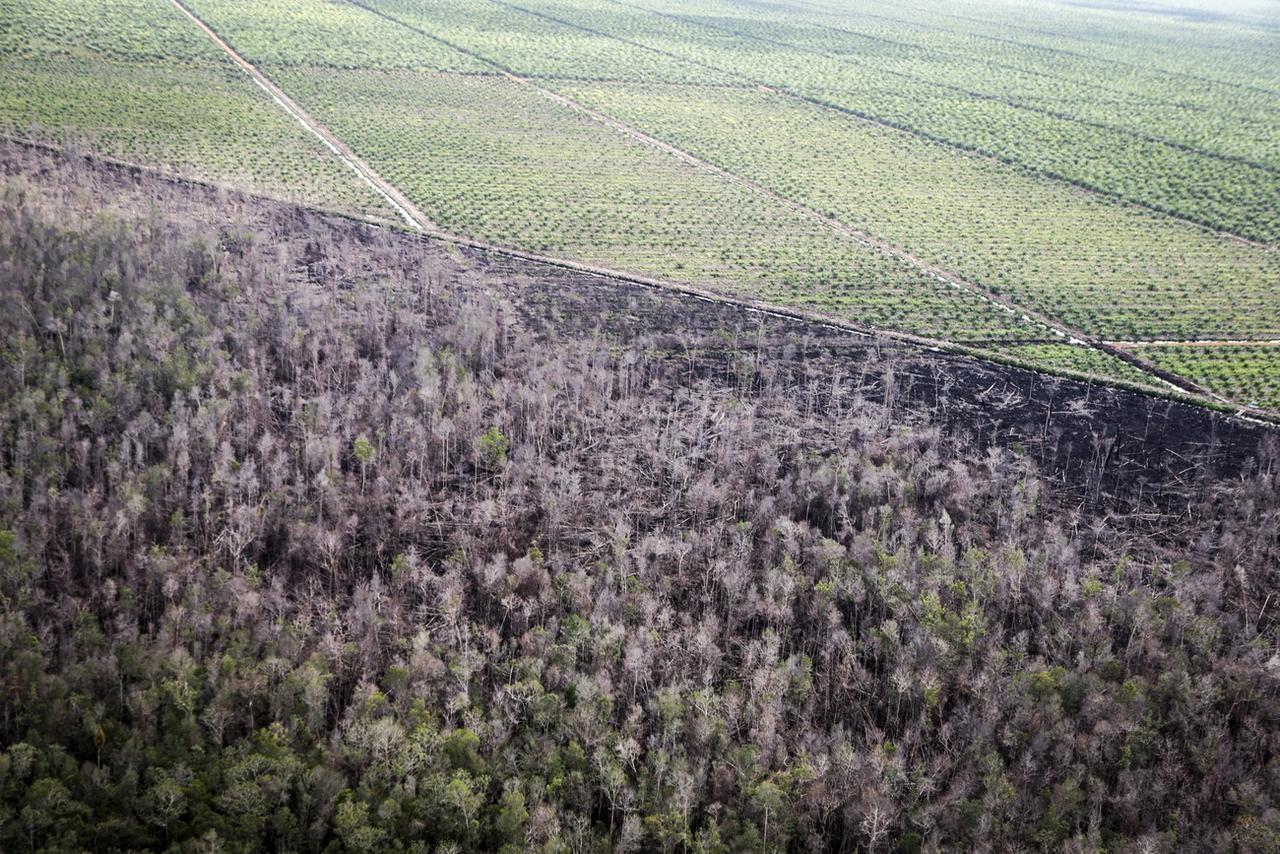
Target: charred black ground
(1119, 447)
(316, 535)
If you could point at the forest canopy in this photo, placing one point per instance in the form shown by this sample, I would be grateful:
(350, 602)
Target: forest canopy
(309, 541)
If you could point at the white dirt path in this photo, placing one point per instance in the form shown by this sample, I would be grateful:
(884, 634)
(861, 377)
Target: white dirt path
(413, 217)
(1207, 342)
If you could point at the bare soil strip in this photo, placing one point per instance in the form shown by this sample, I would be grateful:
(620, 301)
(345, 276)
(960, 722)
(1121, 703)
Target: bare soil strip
(411, 215)
(1208, 342)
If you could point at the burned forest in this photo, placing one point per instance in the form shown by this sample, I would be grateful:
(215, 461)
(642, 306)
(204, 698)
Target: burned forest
(317, 535)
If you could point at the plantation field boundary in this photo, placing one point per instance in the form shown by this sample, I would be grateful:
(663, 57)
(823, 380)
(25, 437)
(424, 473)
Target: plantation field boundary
(417, 220)
(883, 122)
(1171, 392)
(1063, 332)
(413, 217)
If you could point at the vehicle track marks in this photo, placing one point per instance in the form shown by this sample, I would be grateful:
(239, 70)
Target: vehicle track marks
(413, 217)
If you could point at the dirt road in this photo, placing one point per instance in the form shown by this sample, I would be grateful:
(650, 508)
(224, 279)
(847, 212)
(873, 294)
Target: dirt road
(413, 217)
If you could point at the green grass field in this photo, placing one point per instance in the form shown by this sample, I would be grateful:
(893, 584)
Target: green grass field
(1073, 161)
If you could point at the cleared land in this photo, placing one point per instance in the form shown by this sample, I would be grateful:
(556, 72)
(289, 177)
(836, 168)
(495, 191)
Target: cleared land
(496, 160)
(1108, 269)
(1060, 169)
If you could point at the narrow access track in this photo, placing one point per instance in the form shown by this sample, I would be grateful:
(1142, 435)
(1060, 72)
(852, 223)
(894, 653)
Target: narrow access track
(413, 217)
(1199, 342)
